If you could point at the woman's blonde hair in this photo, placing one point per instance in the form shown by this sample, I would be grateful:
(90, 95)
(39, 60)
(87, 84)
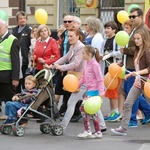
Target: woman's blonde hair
(94, 24)
(41, 27)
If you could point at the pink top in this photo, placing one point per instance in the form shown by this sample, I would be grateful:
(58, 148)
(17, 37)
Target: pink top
(92, 77)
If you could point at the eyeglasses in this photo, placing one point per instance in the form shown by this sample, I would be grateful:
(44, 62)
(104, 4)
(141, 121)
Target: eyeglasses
(69, 21)
(134, 16)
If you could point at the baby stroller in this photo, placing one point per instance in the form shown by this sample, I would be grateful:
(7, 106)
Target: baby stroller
(42, 107)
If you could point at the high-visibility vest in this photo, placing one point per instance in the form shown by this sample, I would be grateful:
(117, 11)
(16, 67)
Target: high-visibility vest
(5, 58)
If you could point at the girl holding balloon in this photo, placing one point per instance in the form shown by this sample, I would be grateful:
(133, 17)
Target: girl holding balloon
(142, 67)
(93, 79)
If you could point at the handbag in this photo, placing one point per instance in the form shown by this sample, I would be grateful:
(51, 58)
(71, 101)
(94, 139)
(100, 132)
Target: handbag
(75, 73)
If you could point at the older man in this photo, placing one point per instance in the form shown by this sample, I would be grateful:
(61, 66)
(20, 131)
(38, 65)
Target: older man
(9, 62)
(23, 32)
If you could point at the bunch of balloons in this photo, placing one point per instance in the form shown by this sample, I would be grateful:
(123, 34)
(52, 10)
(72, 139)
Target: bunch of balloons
(111, 78)
(41, 16)
(123, 16)
(3, 15)
(92, 105)
(71, 83)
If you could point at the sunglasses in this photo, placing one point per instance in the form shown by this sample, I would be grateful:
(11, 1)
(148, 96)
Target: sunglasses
(133, 16)
(69, 21)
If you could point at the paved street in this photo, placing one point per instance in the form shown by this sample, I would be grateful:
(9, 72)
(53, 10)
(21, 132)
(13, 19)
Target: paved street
(33, 139)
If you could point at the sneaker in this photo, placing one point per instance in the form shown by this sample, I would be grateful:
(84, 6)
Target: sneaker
(114, 117)
(132, 125)
(9, 121)
(85, 134)
(3, 117)
(146, 120)
(119, 131)
(106, 117)
(97, 135)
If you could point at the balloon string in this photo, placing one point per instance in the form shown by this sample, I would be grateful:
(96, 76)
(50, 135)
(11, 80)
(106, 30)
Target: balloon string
(144, 79)
(111, 81)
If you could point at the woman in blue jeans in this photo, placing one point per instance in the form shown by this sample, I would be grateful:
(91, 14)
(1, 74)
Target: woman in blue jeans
(140, 104)
(142, 68)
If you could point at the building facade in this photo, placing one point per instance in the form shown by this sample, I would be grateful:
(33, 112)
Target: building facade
(57, 9)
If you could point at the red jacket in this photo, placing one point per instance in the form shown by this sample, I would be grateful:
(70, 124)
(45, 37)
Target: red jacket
(49, 51)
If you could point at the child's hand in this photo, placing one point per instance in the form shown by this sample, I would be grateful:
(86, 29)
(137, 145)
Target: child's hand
(15, 98)
(127, 76)
(46, 66)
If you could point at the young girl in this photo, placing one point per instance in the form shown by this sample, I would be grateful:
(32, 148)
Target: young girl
(93, 79)
(13, 106)
(142, 67)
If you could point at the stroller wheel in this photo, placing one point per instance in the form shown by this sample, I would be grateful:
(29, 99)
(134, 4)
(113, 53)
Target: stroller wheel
(18, 131)
(6, 129)
(45, 128)
(57, 130)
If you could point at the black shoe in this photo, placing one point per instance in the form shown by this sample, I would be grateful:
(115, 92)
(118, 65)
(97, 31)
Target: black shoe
(104, 130)
(75, 118)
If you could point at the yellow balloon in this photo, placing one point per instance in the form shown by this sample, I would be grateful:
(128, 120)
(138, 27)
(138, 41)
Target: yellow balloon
(122, 75)
(41, 16)
(122, 16)
(93, 104)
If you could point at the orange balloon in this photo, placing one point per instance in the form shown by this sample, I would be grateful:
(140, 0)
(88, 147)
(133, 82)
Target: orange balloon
(109, 79)
(115, 70)
(147, 89)
(71, 83)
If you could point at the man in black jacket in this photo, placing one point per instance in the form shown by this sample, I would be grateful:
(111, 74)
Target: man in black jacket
(9, 62)
(23, 33)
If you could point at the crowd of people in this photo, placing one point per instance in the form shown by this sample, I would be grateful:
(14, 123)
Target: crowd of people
(86, 54)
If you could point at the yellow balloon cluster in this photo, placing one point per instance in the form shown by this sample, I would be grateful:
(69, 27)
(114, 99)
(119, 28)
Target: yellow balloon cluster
(41, 16)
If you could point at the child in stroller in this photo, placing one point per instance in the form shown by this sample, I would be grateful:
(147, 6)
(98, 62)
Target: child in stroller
(42, 107)
(13, 106)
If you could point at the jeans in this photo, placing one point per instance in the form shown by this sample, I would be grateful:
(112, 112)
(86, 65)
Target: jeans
(142, 105)
(11, 108)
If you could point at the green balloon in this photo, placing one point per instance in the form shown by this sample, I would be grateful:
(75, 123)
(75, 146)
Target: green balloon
(132, 6)
(122, 38)
(3, 15)
(92, 105)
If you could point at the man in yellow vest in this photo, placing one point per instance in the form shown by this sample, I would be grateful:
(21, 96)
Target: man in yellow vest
(9, 62)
